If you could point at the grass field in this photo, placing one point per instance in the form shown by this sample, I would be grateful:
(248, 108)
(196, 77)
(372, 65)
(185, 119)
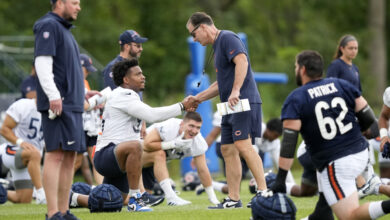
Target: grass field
(198, 209)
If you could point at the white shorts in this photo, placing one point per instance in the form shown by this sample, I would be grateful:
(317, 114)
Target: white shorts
(337, 181)
(8, 153)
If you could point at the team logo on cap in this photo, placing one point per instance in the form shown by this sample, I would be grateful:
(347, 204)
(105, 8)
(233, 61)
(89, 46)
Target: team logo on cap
(46, 34)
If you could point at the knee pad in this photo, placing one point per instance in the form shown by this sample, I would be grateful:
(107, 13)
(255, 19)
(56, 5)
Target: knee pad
(105, 198)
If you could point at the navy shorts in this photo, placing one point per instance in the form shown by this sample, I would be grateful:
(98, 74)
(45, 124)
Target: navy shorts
(65, 131)
(309, 175)
(148, 178)
(240, 126)
(107, 165)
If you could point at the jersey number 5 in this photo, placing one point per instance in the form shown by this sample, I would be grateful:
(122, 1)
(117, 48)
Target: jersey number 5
(325, 123)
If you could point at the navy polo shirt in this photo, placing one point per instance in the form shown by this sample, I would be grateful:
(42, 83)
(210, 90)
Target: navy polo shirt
(326, 108)
(29, 84)
(53, 38)
(339, 69)
(108, 75)
(226, 47)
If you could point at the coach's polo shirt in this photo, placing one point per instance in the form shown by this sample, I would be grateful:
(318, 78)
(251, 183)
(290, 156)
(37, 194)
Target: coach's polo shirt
(53, 38)
(339, 69)
(226, 47)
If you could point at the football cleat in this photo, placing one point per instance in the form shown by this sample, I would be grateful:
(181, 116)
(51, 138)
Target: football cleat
(151, 200)
(227, 203)
(371, 187)
(177, 201)
(136, 204)
(56, 216)
(69, 216)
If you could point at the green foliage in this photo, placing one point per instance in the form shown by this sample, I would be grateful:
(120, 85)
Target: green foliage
(276, 31)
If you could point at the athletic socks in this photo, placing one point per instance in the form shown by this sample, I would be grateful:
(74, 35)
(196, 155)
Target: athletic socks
(218, 186)
(322, 210)
(167, 188)
(134, 191)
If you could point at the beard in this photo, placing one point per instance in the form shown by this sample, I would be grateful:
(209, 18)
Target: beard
(134, 55)
(67, 16)
(298, 79)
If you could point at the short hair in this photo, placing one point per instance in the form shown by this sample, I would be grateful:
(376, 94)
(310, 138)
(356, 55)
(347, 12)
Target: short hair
(198, 18)
(192, 116)
(121, 68)
(54, 3)
(342, 43)
(275, 124)
(312, 61)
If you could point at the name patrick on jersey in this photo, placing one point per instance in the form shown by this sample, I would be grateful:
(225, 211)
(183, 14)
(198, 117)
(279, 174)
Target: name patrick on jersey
(322, 90)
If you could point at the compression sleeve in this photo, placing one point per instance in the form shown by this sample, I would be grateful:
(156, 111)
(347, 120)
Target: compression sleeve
(289, 143)
(366, 117)
(143, 111)
(44, 69)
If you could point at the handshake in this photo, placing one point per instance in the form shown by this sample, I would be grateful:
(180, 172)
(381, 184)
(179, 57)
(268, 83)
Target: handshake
(190, 103)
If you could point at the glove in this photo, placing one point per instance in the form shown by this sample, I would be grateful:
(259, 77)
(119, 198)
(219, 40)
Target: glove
(386, 150)
(176, 143)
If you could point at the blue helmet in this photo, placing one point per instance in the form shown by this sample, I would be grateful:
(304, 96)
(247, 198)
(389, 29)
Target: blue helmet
(3, 194)
(81, 187)
(278, 206)
(105, 198)
(270, 178)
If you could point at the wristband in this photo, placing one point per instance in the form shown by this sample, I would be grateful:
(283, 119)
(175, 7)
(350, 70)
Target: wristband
(181, 106)
(383, 132)
(19, 141)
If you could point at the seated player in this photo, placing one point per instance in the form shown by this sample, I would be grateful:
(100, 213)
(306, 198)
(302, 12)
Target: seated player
(118, 150)
(22, 154)
(176, 139)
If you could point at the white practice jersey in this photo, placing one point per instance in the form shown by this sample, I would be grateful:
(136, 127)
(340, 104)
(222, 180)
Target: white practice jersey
(217, 120)
(123, 113)
(169, 130)
(386, 97)
(24, 113)
(91, 121)
(265, 145)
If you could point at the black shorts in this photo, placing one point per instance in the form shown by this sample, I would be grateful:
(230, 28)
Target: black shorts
(107, 165)
(90, 141)
(65, 131)
(240, 126)
(148, 178)
(309, 175)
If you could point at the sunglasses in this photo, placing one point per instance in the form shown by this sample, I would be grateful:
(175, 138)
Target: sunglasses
(193, 31)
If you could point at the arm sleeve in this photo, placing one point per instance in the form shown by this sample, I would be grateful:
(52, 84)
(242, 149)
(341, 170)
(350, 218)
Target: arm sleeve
(44, 69)
(144, 112)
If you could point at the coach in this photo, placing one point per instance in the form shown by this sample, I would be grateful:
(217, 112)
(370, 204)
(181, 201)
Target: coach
(61, 90)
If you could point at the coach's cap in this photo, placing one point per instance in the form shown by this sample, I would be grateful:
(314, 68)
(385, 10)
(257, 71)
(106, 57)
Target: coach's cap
(86, 62)
(131, 36)
(53, 1)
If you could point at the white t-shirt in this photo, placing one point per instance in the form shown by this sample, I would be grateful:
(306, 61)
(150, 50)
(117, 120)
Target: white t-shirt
(91, 121)
(386, 97)
(123, 114)
(265, 145)
(24, 113)
(169, 130)
(217, 120)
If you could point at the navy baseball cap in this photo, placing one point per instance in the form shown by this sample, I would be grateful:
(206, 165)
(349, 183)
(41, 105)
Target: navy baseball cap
(86, 62)
(131, 36)
(53, 1)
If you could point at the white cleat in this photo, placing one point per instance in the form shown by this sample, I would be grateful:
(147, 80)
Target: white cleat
(371, 187)
(177, 201)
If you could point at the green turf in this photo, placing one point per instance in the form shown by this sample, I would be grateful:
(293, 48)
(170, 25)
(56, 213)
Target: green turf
(198, 209)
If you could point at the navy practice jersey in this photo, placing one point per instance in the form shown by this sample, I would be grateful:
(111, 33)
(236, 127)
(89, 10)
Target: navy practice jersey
(339, 69)
(226, 47)
(326, 108)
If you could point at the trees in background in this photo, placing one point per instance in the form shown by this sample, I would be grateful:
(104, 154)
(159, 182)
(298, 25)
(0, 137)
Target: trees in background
(276, 31)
